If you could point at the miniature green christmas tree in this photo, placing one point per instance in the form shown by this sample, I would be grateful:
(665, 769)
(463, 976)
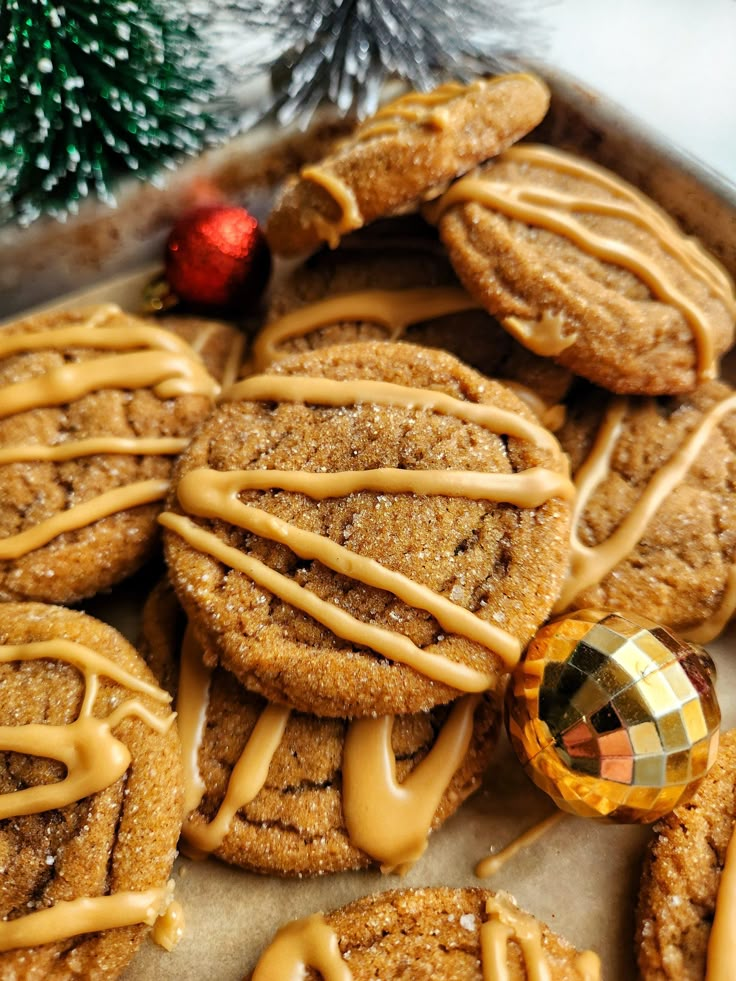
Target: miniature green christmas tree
(91, 90)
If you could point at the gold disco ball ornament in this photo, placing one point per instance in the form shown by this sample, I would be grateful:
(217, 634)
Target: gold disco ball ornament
(614, 716)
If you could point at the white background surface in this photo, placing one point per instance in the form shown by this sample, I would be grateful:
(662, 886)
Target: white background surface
(671, 63)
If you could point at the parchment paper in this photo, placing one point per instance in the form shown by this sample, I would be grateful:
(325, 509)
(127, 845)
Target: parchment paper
(582, 876)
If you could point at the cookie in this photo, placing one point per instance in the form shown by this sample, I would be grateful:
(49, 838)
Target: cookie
(654, 527)
(305, 811)
(683, 872)
(404, 155)
(220, 346)
(457, 934)
(94, 407)
(90, 795)
(582, 267)
(359, 295)
(355, 535)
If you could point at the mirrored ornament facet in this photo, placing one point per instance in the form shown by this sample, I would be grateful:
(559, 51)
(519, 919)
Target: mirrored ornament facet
(614, 716)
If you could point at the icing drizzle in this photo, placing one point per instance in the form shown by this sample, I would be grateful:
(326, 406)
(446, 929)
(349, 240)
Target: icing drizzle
(94, 760)
(212, 494)
(309, 942)
(557, 210)
(81, 515)
(490, 865)
(72, 918)
(312, 943)
(591, 564)
(388, 820)
(507, 924)
(395, 310)
(391, 820)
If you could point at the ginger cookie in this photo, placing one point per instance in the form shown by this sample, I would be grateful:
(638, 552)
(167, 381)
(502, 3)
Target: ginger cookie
(683, 873)
(353, 295)
(404, 155)
(94, 407)
(457, 934)
(317, 777)
(654, 527)
(580, 266)
(368, 529)
(90, 795)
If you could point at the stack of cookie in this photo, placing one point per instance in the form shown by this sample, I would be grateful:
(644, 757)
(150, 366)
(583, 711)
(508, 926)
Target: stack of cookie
(365, 530)
(570, 270)
(370, 530)
(95, 407)
(545, 266)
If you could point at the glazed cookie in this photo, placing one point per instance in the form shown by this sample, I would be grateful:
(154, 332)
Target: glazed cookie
(353, 295)
(310, 810)
(580, 266)
(404, 155)
(91, 795)
(456, 934)
(654, 527)
(220, 346)
(94, 406)
(683, 874)
(369, 529)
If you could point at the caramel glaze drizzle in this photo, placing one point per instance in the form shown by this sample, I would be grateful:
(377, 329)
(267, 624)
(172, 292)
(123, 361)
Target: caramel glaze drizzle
(94, 759)
(249, 773)
(168, 929)
(395, 310)
(350, 216)
(591, 564)
(71, 918)
(490, 865)
(211, 494)
(388, 820)
(327, 391)
(305, 943)
(426, 109)
(720, 959)
(166, 365)
(73, 449)
(555, 211)
(82, 515)
(546, 337)
(311, 942)
(506, 923)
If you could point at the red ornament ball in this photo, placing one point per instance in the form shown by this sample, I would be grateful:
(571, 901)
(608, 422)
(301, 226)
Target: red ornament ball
(217, 259)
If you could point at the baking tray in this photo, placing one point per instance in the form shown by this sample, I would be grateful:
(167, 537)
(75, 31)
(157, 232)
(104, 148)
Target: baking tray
(581, 877)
